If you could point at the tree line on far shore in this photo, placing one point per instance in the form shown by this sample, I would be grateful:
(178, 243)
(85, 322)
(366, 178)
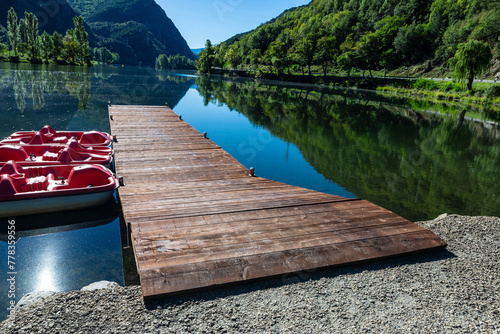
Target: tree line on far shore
(344, 35)
(176, 62)
(73, 48)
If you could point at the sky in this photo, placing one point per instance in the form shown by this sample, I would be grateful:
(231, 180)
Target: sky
(218, 20)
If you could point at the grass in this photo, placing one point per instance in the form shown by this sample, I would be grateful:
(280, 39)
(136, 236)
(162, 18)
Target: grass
(482, 92)
(25, 59)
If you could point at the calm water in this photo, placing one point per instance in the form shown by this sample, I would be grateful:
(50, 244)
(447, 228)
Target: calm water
(352, 144)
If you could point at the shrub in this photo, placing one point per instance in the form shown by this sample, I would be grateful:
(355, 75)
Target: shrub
(425, 84)
(3, 48)
(449, 85)
(492, 91)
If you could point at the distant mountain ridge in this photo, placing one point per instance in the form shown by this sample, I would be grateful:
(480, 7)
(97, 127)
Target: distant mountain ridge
(138, 30)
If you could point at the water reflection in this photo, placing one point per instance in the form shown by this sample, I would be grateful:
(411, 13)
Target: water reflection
(76, 98)
(379, 148)
(69, 250)
(63, 251)
(418, 165)
(19, 91)
(35, 83)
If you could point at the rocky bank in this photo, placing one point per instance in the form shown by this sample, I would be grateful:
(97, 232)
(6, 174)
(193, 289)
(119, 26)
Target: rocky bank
(448, 291)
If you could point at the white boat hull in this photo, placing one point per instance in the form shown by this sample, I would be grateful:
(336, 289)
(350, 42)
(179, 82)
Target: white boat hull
(33, 206)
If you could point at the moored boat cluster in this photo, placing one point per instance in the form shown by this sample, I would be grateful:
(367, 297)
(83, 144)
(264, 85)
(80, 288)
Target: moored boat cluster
(47, 171)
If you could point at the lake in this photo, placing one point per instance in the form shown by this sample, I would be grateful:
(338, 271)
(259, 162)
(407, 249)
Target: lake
(415, 158)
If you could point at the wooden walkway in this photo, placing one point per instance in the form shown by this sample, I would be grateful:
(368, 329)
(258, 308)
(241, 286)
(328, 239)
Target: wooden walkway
(197, 219)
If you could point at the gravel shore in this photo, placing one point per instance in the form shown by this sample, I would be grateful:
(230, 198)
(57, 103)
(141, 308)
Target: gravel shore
(448, 291)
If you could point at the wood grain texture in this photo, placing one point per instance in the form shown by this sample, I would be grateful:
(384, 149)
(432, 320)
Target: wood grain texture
(198, 219)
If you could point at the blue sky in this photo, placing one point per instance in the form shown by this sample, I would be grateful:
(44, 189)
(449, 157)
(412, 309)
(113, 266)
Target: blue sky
(217, 20)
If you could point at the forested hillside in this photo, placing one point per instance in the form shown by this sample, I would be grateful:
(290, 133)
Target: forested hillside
(138, 30)
(365, 34)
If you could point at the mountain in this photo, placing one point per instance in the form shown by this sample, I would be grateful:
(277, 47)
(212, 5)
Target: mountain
(369, 34)
(239, 36)
(197, 51)
(139, 30)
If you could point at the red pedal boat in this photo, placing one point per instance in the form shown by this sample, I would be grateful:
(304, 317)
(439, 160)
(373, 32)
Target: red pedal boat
(34, 190)
(50, 155)
(47, 135)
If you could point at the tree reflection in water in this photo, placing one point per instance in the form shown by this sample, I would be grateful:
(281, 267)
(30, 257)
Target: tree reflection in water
(34, 84)
(416, 164)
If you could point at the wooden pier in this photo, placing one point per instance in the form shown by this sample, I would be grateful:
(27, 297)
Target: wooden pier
(198, 219)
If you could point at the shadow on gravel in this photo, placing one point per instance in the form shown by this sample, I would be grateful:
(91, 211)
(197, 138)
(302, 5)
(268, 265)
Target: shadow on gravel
(293, 278)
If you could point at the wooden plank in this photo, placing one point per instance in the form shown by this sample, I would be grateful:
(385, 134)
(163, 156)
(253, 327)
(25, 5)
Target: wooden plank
(198, 219)
(165, 280)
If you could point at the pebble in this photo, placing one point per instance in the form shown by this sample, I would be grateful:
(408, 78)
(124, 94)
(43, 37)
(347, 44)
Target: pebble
(447, 291)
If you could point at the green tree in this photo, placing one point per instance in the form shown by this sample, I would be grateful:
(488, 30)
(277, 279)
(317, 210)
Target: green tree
(347, 61)
(206, 57)
(176, 62)
(13, 30)
(3, 48)
(220, 56)
(58, 49)
(71, 48)
(47, 45)
(256, 57)
(161, 61)
(32, 34)
(470, 60)
(233, 55)
(23, 34)
(81, 37)
(305, 50)
(106, 56)
(326, 52)
(369, 51)
(412, 44)
(387, 30)
(276, 56)
(297, 60)
(116, 58)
